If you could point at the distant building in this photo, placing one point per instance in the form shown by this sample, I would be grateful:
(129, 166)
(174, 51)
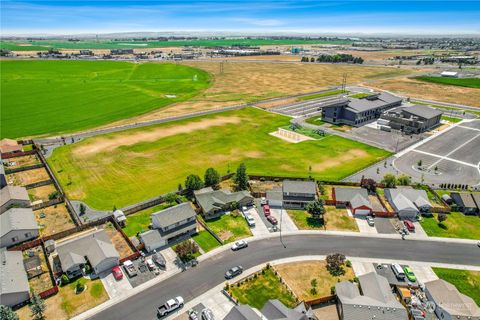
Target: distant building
(449, 74)
(121, 51)
(17, 225)
(216, 202)
(14, 288)
(450, 303)
(376, 300)
(169, 225)
(13, 196)
(357, 112)
(408, 202)
(8, 146)
(414, 119)
(86, 52)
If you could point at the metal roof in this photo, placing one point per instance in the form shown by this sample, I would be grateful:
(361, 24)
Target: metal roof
(150, 237)
(450, 299)
(372, 102)
(294, 186)
(17, 219)
(407, 198)
(14, 277)
(422, 111)
(172, 215)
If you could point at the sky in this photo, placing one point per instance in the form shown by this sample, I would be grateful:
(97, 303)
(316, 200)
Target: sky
(337, 17)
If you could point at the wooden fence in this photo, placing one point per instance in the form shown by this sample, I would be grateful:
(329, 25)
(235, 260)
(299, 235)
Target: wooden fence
(48, 293)
(316, 301)
(205, 226)
(10, 155)
(38, 184)
(46, 204)
(26, 168)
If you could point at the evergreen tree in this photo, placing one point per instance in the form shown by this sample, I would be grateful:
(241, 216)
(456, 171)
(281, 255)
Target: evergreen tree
(6, 313)
(212, 178)
(37, 307)
(192, 183)
(241, 177)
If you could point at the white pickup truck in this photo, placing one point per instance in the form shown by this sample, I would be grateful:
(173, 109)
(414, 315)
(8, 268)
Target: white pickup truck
(170, 305)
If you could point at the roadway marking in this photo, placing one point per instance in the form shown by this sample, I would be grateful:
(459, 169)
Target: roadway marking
(445, 158)
(469, 128)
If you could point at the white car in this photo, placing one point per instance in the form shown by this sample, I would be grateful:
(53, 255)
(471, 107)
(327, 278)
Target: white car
(250, 220)
(370, 221)
(263, 201)
(239, 245)
(149, 262)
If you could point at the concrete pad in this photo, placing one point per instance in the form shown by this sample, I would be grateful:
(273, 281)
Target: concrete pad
(260, 227)
(364, 227)
(115, 288)
(361, 268)
(423, 273)
(170, 258)
(286, 222)
(326, 311)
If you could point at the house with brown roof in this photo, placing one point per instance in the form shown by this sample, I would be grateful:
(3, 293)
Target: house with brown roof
(464, 202)
(8, 146)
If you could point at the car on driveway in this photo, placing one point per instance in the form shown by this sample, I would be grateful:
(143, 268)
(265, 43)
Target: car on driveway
(233, 272)
(117, 273)
(370, 221)
(272, 220)
(239, 245)
(263, 201)
(409, 225)
(266, 210)
(410, 275)
(250, 220)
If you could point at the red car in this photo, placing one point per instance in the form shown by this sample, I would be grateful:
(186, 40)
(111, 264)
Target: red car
(409, 224)
(117, 273)
(272, 220)
(266, 210)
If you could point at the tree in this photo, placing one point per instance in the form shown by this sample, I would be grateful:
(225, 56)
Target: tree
(369, 184)
(186, 250)
(82, 209)
(441, 217)
(241, 177)
(171, 197)
(192, 183)
(335, 263)
(316, 209)
(53, 195)
(79, 287)
(212, 178)
(389, 180)
(37, 307)
(404, 180)
(6, 313)
(321, 187)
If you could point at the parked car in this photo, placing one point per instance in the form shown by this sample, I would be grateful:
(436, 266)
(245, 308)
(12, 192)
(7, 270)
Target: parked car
(117, 273)
(207, 314)
(192, 315)
(266, 210)
(370, 221)
(250, 220)
(130, 268)
(272, 220)
(398, 271)
(233, 272)
(409, 225)
(239, 245)
(149, 262)
(410, 275)
(263, 201)
(170, 305)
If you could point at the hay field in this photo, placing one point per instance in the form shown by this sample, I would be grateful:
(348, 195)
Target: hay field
(130, 166)
(49, 97)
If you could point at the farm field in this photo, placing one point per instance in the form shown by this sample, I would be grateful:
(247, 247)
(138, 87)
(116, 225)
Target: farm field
(248, 82)
(461, 82)
(49, 97)
(126, 167)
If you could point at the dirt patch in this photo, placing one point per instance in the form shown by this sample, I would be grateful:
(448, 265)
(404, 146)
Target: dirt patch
(128, 139)
(24, 178)
(53, 219)
(225, 235)
(118, 241)
(41, 193)
(20, 162)
(345, 157)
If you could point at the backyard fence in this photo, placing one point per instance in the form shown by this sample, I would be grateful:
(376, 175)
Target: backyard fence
(204, 225)
(26, 168)
(316, 301)
(10, 155)
(48, 293)
(38, 184)
(46, 204)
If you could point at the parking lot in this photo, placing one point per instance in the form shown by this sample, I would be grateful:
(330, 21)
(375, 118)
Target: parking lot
(308, 107)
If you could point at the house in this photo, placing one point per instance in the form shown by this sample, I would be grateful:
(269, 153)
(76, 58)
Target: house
(476, 198)
(356, 199)
(464, 202)
(275, 197)
(450, 303)
(414, 119)
(8, 146)
(94, 247)
(17, 225)
(216, 202)
(14, 288)
(13, 196)
(408, 202)
(297, 194)
(272, 310)
(448, 200)
(169, 225)
(3, 178)
(357, 112)
(376, 301)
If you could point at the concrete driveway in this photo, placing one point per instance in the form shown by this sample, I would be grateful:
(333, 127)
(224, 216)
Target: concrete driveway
(363, 225)
(260, 227)
(286, 222)
(115, 288)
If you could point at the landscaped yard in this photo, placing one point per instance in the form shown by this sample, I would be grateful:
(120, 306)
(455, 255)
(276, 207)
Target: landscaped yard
(457, 225)
(53, 219)
(139, 221)
(206, 241)
(299, 276)
(230, 227)
(41, 282)
(451, 119)
(23, 161)
(335, 219)
(104, 170)
(259, 290)
(467, 282)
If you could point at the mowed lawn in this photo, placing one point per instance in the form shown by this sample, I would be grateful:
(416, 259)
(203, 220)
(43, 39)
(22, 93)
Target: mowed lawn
(457, 225)
(466, 281)
(48, 97)
(230, 227)
(130, 166)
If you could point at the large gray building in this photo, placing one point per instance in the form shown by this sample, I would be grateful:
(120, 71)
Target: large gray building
(357, 112)
(414, 119)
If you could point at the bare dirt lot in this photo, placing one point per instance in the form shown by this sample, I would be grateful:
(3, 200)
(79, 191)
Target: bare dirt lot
(41, 193)
(55, 219)
(24, 178)
(118, 241)
(24, 161)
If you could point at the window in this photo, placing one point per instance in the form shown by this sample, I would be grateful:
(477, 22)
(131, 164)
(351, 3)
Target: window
(14, 239)
(28, 235)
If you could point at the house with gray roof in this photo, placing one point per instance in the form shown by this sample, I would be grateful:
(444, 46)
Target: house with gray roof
(243, 312)
(3, 178)
(413, 119)
(94, 247)
(13, 196)
(272, 310)
(14, 288)
(356, 199)
(464, 202)
(17, 225)
(297, 194)
(374, 301)
(214, 203)
(169, 225)
(450, 303)
(408, 202)
(358, 112)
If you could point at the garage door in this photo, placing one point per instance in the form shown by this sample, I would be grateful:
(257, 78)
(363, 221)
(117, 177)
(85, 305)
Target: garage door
(362, 212)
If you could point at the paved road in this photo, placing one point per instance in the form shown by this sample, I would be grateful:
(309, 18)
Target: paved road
(209, 273)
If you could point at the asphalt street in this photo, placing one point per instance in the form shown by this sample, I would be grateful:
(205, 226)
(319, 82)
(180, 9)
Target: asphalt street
(210, 273)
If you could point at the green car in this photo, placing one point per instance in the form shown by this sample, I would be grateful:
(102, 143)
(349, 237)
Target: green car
(410, 275)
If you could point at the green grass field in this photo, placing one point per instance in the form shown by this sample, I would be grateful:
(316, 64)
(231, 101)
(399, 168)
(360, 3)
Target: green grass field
(206, 241)
(323, 94)
(467, 282)
(44, 45)
(139, 221)
(457, 225)
(127, 167)
(48, 97)
(451, 119)
(317, 120)
(461, 82)
(230, 227)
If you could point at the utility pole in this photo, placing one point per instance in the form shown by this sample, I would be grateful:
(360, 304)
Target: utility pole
(221, 67)
(344, 82)
(281, 239)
